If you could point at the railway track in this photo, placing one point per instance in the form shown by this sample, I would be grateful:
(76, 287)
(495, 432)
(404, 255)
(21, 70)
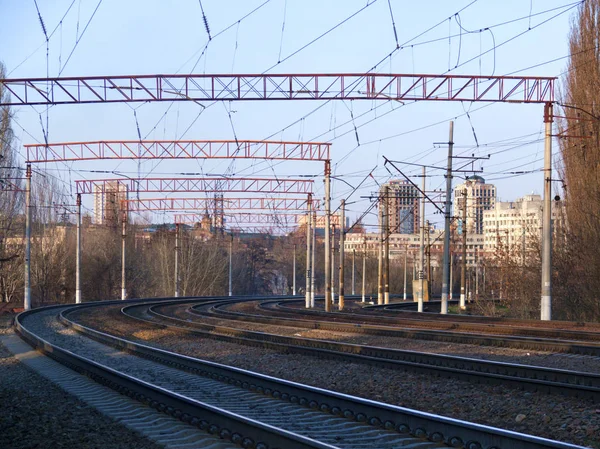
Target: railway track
(589, 332)
(249, 409)
(523, 377)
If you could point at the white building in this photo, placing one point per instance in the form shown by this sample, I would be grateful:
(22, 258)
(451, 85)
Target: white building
(515, 223)
(479, 198)
(400, 243)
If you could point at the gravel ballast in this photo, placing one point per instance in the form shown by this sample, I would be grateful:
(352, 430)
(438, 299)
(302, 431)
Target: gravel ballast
(37, 414)
(556, 417)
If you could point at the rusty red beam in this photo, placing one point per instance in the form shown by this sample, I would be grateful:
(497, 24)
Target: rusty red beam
(318, 86)
(277, 219)
(230, 204)
(177, 149)
(217, 184)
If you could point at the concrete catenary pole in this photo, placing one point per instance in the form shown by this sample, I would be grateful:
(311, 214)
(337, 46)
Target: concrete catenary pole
(546, 305)
(463, 269)
(78, 253)
(123, 259)
(231, 265)
(176, 260)
(386, 266)
(446, 262)
(380, 255)
(327, 234)
(27, 293)
(364, 270)
(332, 265)
(341, 271)
(313, 262)
(353, 271)
(422, 261)
(405, 262)
(307, 297)
(428, 253)
(294, 270)
(451, 280)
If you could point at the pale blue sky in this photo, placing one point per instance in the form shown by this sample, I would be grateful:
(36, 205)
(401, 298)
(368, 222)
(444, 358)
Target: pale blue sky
(149, 37)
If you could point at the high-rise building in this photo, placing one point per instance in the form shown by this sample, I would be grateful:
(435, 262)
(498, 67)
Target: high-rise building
(404, 206)
(479, 197)
(107, 202)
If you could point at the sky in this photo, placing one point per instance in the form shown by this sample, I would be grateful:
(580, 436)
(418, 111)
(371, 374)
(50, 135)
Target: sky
(111, 37)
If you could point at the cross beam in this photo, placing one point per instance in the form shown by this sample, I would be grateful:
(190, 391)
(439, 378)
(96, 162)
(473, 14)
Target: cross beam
(341, 86)
(220, 184)
(231, 204)
(177, 149)
(281, 219)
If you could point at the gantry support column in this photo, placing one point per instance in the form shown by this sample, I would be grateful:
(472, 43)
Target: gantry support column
(380, 255)
(463, 268)
(546, 305)
(327, 236)
(176, 260)
(78, 253)
(313, 264)
(123, 261)
(27, 293)
(341, 272)
(421, 296)
(307, 293)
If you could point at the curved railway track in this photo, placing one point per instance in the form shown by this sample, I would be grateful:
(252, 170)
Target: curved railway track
(524, 377)
(245, 408)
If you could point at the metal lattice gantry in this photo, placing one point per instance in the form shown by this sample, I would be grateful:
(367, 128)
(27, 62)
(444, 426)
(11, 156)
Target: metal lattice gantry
(177, 149)
(285, 219)
(231, 204)
(318, 86)
(205, 184)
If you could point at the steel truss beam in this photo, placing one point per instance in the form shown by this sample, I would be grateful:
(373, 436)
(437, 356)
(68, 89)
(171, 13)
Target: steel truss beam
(342, 86)
(177, 149)
(220, 184)
(235, 218)
(231, 204)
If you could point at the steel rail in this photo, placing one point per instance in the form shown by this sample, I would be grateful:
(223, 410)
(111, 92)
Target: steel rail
(422, 425)
(448, 323)
(247, 432)
(533, 378)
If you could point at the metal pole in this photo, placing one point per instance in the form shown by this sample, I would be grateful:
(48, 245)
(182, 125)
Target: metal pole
(327, 231)
(313, 264)
(176, 260)
(386, 266)
(231, 266)
(405, 257)
(380, 256)
(123, 260)
(78, 253)
(429, 280)
(422, 264)
(27, 293)
(546, 305)
(353, 271)
(463, 270)
(294, 270)
(451, 285)
(447, 267)
(307, 296)
(341, 270)
(364, 270)
(476, 276)
(332, 265)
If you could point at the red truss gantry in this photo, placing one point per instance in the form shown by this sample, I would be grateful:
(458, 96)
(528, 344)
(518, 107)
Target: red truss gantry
(177, 149)
(341, 86)
(236, 218)
(231, 204)
(218, 184)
